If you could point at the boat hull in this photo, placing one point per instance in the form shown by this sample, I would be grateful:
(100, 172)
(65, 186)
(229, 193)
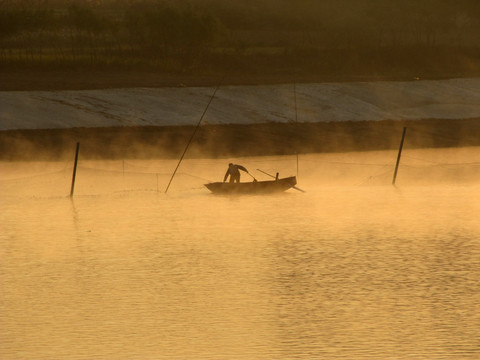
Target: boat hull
(255, 187)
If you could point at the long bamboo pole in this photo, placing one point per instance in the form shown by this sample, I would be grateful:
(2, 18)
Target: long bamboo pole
(74, 169)
(191, 137)
(399, 156)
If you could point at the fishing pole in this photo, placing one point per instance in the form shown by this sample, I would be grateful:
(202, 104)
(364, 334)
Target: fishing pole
(296, 188)
(191, 137)
(252, 176)
(266, 173)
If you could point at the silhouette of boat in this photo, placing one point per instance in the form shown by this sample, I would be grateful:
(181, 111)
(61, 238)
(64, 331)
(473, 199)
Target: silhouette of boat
(254, 187)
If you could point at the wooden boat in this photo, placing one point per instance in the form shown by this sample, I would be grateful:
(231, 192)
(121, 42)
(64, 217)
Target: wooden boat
(255, 187)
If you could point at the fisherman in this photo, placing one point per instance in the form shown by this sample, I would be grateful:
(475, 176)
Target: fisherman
(234, 173)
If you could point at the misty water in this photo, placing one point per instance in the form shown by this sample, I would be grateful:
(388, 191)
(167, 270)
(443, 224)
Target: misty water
(354, 268)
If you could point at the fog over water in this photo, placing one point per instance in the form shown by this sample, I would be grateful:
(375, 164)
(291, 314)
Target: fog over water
(354, 268)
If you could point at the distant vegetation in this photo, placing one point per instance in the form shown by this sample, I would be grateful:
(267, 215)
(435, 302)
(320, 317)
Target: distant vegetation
(331, 37)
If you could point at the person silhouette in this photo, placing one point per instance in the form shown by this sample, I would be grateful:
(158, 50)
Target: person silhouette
(233, 171)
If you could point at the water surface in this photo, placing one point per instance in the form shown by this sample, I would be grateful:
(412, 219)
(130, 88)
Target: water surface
(351, 269)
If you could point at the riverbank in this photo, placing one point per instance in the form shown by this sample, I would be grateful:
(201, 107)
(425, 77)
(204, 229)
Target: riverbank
(87, 79)
(241, 105)
(235, 140)
(248, 120)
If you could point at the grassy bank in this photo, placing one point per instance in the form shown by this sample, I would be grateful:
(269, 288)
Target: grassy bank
(34, 79)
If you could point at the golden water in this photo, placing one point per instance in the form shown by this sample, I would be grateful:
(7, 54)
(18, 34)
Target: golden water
(352, 269)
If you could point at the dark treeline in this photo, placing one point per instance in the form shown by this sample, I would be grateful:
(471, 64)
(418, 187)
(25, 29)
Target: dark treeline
(395, 37)
(138, 34)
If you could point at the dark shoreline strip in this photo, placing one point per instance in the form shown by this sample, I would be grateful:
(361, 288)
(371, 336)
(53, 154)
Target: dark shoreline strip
(214, 141)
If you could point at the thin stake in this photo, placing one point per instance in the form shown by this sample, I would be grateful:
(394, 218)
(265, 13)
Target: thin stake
(297, 164)
(399, 156)
(296, 116)
(74, 169)
(191, 138)
(295, 99)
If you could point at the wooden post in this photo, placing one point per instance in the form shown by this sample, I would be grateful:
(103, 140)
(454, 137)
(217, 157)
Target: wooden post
(297, 164)
(74, 169)
(296, 114)
(295, 100)
(399, 156)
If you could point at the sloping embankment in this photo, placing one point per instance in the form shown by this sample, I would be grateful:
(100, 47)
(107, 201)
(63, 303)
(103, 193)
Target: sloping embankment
(241, 120)
(177, 106)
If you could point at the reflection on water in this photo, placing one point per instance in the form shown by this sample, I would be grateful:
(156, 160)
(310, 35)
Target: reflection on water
(340, 272)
